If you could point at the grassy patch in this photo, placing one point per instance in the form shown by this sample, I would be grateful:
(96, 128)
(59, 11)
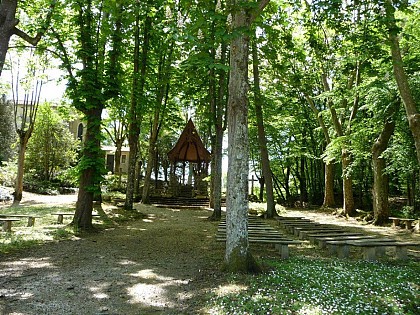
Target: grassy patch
(324, 286)
(46, 228)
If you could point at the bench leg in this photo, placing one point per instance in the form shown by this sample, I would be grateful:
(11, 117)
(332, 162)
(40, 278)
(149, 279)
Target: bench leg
(343, 251)
(322, 244)
(408, 225)
(401, 252)
(380, 251)
(31, 221)
(7, 226)
(284, 250)
(369, 253)
(60, 219)
(332, 249)
(395, 223)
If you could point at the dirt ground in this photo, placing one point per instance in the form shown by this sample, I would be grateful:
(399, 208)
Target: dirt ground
(165, 263)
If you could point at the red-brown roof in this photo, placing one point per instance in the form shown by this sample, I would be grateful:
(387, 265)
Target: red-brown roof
(189, 147)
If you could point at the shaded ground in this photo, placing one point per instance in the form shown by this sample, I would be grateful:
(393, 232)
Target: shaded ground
(159, 265)
(166, 263)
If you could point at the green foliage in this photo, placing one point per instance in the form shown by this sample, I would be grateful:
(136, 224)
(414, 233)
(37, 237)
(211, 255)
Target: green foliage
(8, 172)
(304, 286)
(69, 177)
(408, 212)
(113, 183)
(62, 233)
(12, 242)
(7, 130)
(52, 147)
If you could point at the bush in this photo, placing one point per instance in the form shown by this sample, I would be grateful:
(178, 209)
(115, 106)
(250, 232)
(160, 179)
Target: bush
(61, 185)
(8, 171)
(113, 183)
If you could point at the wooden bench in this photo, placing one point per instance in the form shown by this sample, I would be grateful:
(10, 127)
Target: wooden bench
(372, 247)
(60, 216)
(31, 217)
(281, 244)
(322, 241)
(285, 223)
(396, 222)
(7, 223)
(282, 218)
(301, 232)
(261, 232)
(290, 228)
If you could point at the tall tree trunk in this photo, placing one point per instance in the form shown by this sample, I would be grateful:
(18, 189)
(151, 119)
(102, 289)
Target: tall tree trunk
(135, 108)
(329, 200)
(24, 126)
(219, 128)
(348, 206)
(413, 116)
(9, 23)
(380, 179)
(23, 142)
(158, 117)
(238, 257)
(262, 139)
(133, 126)
(150, 161)
(89, 178)
(213, 114)
(303, 187)
(118, 148)
(217, 174)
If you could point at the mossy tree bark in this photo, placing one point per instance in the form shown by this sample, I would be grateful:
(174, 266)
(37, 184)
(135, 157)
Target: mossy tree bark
(238, 257)
(90, 174)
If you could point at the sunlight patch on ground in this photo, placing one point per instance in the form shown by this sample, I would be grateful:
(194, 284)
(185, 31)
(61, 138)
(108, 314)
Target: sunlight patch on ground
(149, 294)
(126, 262)
(26, 264)
(230, 289)
(155, 295)
(98, 293)
(150, 274)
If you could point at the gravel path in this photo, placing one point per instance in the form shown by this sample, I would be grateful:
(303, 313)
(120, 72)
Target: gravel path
(164, 264)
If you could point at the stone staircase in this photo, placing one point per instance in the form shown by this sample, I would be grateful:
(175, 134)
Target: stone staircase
(179, 202)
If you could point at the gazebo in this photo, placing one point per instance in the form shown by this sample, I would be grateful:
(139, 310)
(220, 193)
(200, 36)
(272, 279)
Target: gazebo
(190, 148)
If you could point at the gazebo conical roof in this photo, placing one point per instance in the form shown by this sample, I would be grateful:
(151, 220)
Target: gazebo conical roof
(189, 147)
